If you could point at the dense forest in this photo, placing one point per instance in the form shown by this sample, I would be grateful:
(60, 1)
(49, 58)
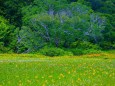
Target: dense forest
(56, 26)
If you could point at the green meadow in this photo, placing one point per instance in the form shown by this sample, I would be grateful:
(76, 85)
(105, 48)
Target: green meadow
(38, 70)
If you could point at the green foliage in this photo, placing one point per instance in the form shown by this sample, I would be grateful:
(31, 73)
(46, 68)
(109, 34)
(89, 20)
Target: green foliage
(4, 28)
(6, 36)
(109, 31)
(77, 51)
(107, 45)
(52, 51)
(28, 40)
(20, 48)
(59, 23)
(63, 27)
(92, 51)
(84, 45)
(4, 49)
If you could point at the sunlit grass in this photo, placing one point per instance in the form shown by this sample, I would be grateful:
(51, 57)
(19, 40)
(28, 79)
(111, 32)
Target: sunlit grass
(38, 70)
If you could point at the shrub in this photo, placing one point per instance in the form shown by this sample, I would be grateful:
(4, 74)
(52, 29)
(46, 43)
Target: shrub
(77, 51)
(4, 49)
(113, 46)
(91, 51)
(21, 49)
(84, 45)
(54, 52)
(107, 45)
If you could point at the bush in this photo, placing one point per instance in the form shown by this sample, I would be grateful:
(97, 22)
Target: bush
(21, 49)
(54, 52)
(77, 51)
(113, 46)
(84, 45)
(85, 51)
(91, 51)
(4, 49)
(107, 45)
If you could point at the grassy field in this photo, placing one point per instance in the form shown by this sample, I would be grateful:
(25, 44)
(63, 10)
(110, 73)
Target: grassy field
(37, 70)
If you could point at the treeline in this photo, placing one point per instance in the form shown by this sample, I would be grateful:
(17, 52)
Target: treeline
(36, 25)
